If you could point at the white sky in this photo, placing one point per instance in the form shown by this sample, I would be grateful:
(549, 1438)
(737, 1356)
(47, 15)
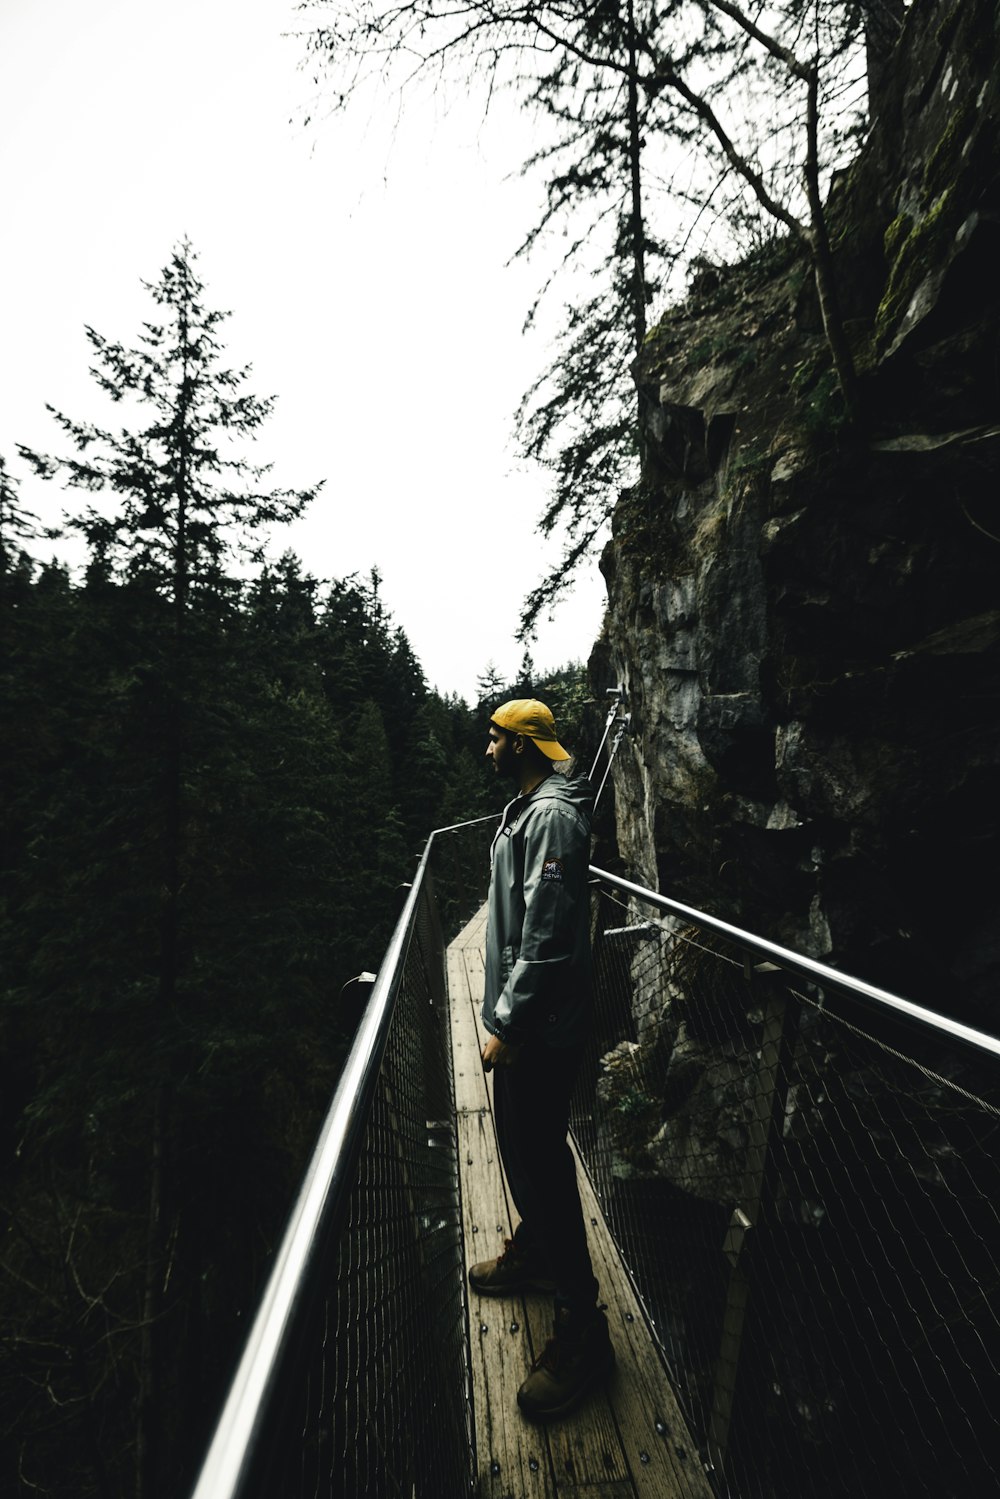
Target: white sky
(365, 270)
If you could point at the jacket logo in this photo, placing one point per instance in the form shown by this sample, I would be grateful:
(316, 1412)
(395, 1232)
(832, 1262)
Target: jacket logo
(552, 870)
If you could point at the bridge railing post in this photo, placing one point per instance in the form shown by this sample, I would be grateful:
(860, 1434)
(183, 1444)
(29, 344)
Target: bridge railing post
(767, 1104)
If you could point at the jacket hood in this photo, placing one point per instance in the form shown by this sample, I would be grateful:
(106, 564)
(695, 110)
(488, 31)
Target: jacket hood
(576, 791)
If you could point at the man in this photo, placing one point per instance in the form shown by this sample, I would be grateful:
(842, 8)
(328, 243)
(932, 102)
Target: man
(536, 1007)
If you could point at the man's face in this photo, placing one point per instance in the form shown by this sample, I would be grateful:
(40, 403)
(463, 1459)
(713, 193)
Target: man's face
(501, 751)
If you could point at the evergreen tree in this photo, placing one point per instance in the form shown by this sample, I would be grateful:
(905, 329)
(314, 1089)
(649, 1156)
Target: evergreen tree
(567, 692)
(490, 686)
(17, 524)
(524, 682)
(465, 790)
(426, 769)
(376, 847)
(182, 500)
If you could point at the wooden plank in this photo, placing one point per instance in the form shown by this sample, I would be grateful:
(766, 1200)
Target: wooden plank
(587, 1449)
(475, 963)
(511, 1456)
(471, 1091)
(620, 1489)
(630, 1440)
(473, 933)
(662, 1459)
(458, 983)
(475, 977)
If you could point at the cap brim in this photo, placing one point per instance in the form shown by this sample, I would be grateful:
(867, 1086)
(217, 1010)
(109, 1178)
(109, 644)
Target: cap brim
(552, 748)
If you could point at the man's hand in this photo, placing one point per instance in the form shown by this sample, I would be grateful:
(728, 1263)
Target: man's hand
(497, 1053)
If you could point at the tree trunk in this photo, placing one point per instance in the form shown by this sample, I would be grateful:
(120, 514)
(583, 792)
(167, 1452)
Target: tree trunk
(637, 224)
(147, 1447)
(635, 176)
(823, 267)
(151, 1419)
(883, 24)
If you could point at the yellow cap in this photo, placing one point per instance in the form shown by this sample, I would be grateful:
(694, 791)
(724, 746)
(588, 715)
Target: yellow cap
(527, 716)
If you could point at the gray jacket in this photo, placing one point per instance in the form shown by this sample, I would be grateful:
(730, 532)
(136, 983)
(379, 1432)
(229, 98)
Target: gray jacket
(538, 985)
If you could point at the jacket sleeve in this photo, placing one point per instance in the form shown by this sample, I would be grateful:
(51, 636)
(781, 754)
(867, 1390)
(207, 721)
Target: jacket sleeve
(556, 858)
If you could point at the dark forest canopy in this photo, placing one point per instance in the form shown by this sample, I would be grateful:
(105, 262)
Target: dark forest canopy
(217, 774)
(314, 761)
(152, 1139)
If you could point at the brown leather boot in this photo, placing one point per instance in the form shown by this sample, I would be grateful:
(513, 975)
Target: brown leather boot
(510, 1273)
(573, 1362)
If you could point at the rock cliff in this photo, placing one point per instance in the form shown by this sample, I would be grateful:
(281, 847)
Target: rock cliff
(804, 614)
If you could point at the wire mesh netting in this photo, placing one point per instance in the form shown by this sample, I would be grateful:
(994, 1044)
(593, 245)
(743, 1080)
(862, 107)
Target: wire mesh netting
(805, 1192)
(807, 1197)
(385, 1409)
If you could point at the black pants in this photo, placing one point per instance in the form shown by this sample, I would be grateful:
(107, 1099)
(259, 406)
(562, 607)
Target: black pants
(531, 1105)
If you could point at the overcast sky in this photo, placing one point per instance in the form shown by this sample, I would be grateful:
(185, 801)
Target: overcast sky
(365, 270)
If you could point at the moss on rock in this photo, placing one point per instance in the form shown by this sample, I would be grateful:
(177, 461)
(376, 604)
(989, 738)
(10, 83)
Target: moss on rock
(941, 166)
(917, 255)
(895, 235)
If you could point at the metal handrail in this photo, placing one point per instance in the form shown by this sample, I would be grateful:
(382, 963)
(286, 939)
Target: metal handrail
(809, 969)
(318, 1214)
(321, 1204)
(323, 1200)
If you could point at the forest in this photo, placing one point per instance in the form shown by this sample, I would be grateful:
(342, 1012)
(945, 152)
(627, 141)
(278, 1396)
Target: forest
(218, 770)
(769, 405)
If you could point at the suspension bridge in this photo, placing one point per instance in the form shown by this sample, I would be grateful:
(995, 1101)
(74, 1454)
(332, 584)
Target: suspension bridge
(629, 1441)
(791, 1183)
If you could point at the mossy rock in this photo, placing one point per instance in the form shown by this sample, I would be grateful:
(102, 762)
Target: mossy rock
(941, 166)
(896, 235)
(917, 245)
(919, 254)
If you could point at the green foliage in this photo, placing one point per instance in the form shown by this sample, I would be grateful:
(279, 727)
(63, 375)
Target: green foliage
(213, 787)
(825, 411)
(896, 235)
(819, 399)
(17, 525)
(580, 417)
(183, 501)
(749, 460)
(915, 252)
(566, 690)
(305, 794)
(633, 1102)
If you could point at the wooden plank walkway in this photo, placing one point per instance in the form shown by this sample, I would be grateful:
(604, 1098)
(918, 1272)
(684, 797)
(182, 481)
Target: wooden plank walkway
(628, 1442)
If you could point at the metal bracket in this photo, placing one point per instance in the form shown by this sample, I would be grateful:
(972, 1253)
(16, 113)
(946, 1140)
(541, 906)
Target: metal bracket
(739, 1227)
(619, 719)
(647, 929)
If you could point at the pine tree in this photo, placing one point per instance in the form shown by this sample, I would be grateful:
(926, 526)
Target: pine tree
(180, 502)
(184, 501)
(524, 682)
(17, 524)
(490, 686)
